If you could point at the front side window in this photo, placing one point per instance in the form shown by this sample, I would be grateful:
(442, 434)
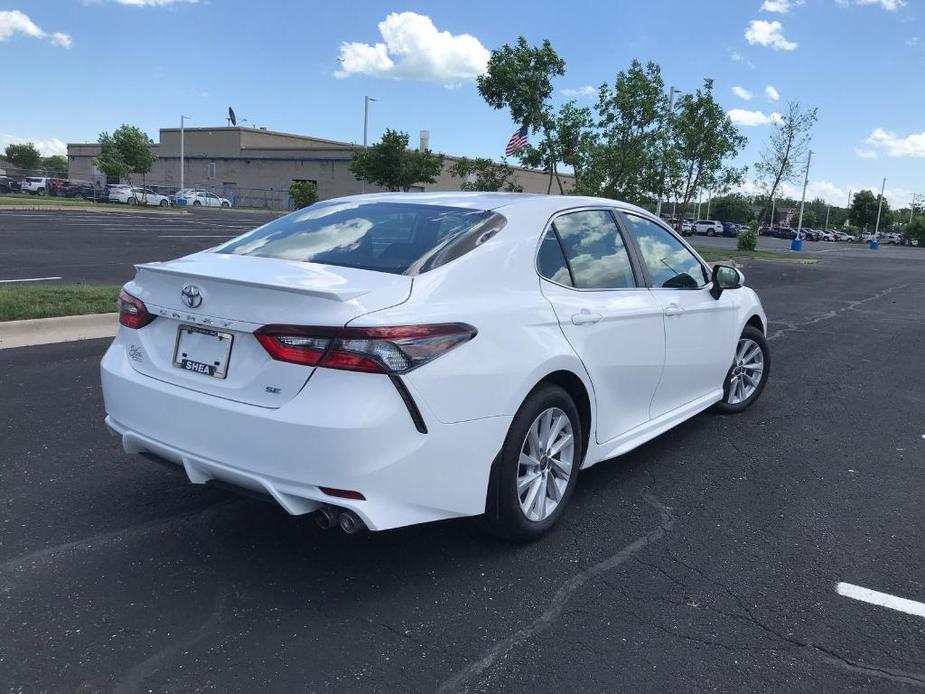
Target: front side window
(389, 237)
(594, 249)
(669, 262)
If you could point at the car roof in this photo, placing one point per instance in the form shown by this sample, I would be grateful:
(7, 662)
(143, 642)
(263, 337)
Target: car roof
(490, 201)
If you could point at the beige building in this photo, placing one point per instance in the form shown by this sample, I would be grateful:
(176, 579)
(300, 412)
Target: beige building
(255, 167)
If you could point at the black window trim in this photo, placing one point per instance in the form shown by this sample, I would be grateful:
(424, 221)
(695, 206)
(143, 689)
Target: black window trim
(629, 244)
(623, 214)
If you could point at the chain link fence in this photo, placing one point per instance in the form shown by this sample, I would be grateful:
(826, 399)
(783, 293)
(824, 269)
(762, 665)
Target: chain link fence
(42, 182)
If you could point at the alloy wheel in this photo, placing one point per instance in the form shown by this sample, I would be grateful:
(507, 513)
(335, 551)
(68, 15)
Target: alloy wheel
(545, 467)
(746, 371)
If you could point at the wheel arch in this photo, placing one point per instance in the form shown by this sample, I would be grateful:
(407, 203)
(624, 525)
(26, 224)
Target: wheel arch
(572, 384)
(756, 322)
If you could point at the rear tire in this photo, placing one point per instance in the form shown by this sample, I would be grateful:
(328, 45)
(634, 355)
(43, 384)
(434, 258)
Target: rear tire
(132, 201)
(534, 475)
(710, 232)
(748, 374)
(164, 203)
(40, 192)
(196, 203)
(225, 204)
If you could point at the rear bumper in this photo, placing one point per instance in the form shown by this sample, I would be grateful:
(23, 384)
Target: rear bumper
(344, 430)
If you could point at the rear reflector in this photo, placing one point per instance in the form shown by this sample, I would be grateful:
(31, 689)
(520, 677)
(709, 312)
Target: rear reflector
(132, 311)
(343, 493)
(392, 350)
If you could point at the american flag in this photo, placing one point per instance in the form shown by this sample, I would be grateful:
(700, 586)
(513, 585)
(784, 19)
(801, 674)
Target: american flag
(518, 141)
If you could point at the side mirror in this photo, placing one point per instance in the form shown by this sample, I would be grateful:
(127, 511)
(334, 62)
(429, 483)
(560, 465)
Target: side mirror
(725, 277)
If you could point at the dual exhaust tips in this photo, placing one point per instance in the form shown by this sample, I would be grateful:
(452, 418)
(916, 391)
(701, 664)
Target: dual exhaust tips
(328, 517)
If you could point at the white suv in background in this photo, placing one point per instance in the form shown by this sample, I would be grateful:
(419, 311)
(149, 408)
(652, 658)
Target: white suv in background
(710, 227)
(35, 185)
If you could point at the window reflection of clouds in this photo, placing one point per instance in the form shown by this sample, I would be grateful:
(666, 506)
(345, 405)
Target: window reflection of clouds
(664, 255)
(304, 246)
(595, 250)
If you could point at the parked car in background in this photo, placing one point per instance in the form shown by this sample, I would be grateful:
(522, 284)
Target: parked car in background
(150, 197)
(123, 193)
(708, 227)
(891, 239)
(825, 235)
(843, 236)
(201, 198)
(731, 230)
(436, 400)
(73, 189)
(784, 233)
(35, 185)
(687, 227)
(810, 234)
(9, 185)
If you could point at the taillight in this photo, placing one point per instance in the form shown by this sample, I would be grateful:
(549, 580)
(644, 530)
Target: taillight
(132, 311)
(392, 350)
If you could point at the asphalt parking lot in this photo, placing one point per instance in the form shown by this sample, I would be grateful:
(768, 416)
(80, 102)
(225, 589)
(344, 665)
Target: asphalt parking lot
(706, 560)
(90, 247)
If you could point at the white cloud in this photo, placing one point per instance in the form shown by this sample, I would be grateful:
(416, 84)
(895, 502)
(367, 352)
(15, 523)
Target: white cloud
(14, 22)
(750, 119)
(833, 194)
(742, 93)
(585, 92)
(771, 93)
(413, 48)
(780, 6)
(895, 146)
(46, 147)
(769, 34)
(888, 5)
(865, 153)
(737, 57)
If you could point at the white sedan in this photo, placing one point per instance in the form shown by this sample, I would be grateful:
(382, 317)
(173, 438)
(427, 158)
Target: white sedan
(199, 198)
(133, 195)
(391, 359)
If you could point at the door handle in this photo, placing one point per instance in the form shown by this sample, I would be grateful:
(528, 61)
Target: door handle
(585, 317)
(673, 310)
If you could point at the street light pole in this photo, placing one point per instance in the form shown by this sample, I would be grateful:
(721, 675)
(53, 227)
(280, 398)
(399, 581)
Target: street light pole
(658, 205)
(827, 209)
(182, 143)
(797, 241)
(874, 244)
(366, 100)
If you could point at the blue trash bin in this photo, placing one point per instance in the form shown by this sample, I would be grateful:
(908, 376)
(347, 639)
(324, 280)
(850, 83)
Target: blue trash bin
(874, 245)
(796, 244)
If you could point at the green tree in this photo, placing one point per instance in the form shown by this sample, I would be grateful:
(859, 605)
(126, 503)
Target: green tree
(484, 174)
(809, 218)
(629, 162)
(127, 151)
(733, 207)
(519, 78)
(864, 211)
(704, 139)
(303, 194)
(786, 149)
(24, 156)
(390, 164)
(55, 164)
(748, 239)
(915, 230)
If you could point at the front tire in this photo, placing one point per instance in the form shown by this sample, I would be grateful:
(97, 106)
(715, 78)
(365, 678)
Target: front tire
(164, 203)
(225, 205)
(196, 203)
(749, 372)
(534, 475)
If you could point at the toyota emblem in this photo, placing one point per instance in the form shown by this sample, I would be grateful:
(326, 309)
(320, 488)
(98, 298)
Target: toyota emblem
(191, 296)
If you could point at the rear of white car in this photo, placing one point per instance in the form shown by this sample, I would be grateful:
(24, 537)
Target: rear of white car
(35, 185)
(218, 367)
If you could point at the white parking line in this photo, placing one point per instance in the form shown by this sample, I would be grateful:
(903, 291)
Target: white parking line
(882, 599)
(196, 236)
(32, 279)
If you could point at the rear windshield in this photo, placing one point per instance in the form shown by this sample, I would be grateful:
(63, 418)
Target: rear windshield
(389, 237)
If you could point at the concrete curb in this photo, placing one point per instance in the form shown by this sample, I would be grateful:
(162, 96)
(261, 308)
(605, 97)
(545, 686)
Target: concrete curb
(81, 208)
(43, 331)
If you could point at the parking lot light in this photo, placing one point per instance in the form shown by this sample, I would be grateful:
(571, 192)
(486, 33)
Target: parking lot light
(875, 241)
(797, 243)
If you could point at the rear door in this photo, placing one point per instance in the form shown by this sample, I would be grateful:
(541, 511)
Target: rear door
(611, 320)
(700, 331)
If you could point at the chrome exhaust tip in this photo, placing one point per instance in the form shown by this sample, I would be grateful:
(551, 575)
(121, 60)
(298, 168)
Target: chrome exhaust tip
(326, 517)
(350, 522)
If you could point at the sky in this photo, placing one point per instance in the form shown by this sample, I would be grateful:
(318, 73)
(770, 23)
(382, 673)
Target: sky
(74, 68)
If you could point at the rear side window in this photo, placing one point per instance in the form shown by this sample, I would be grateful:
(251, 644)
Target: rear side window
(397, 238)
(594, 249)
(551, 262)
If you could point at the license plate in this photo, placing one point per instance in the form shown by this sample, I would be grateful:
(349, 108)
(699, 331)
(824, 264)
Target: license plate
(203, 351)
